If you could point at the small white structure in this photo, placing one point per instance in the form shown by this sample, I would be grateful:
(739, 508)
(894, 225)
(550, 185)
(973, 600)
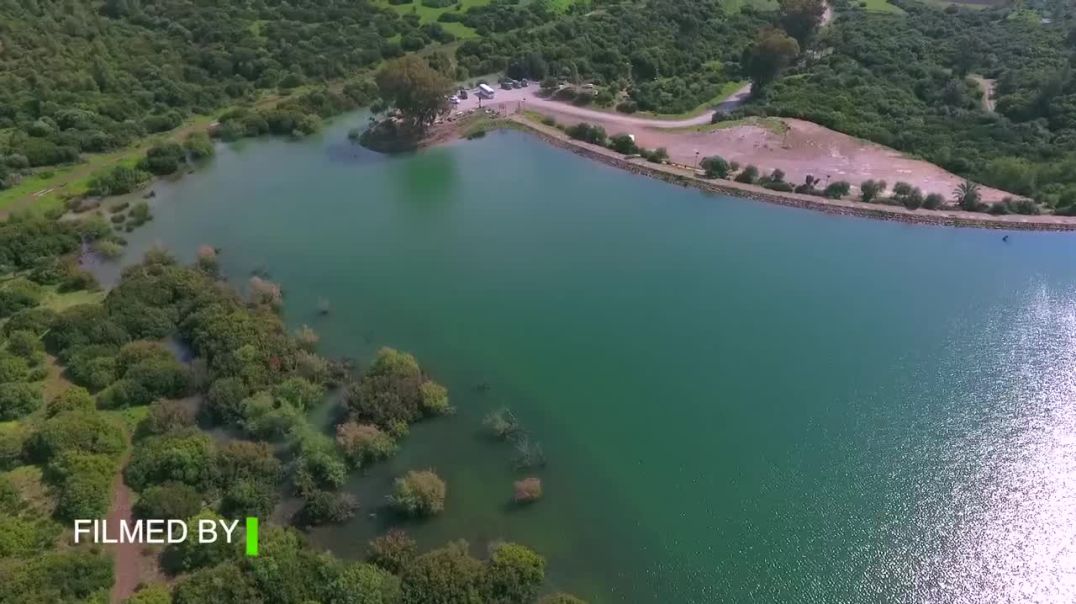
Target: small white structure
(486, 89)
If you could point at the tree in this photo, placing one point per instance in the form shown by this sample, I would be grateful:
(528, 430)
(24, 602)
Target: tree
(17, 399)
(967, 196)
(448, 574)
(419, 493)
(801, 18)
(416, 89)
(363, 443)
(772, 51)
(392, 551)
(362, 583)
(513, 573)
(715, 167)
(869, 190)
(168, 500)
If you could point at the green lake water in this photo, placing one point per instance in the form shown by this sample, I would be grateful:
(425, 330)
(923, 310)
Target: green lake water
(738, 402)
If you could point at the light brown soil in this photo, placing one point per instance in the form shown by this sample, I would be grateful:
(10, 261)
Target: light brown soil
(126, 565)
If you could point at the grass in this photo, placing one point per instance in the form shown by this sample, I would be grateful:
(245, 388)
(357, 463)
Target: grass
(57, 301)
(129, 417)
(734, 6)
(727, 89)
(880, 6)
(773, 124)
(30, 485)
(429, 14)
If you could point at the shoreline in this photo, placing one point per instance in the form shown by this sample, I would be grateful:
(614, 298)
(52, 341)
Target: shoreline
(686, 177)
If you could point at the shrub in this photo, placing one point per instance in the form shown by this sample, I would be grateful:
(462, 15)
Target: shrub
(75, 398)
(168, 500)
(715, 167)
(502, 423)
(167, 416)
(25, 344)
(363, 443)
(392, 551)
(323, 507)
(394, 389)
(434, 398)
(198, 145)
(527, 490)
(186, 458)
(362, 583)
(837, 190)
(587, 133)
(419, 493)
(448, 574)
(933, 201)
(749, 175)
(117, 181)
(623, 143)
(84, 482)
(514, 573)
(299, 393)
(869, 190)
(190, 555)
(163, 159)
(82, 431)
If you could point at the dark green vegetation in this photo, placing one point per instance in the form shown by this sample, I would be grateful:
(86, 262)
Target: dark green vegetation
(132, 394)
(657, 55)
(902, 80)
(83, 77)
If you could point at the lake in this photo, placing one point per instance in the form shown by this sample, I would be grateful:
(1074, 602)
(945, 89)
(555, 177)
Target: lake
(738, 402)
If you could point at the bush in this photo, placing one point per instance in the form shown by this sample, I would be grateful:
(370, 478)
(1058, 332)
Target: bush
(715, 167)
(623, 143)
(448, 574)
(869, 190)
(837, 190)
(363, 443)
(75, 398)
(172, 458)
(198, 145)
(323, 507)
(527, 490)
(419, 493)
(163, 159)
(167, 416)
(502, 423)
(84, 482)
(749, 175)
(168, 500)
(80, 431)
(119, 180)
(514, 573)
(392, 551)
(933, 201)
(587, 133)
(394, 389)
(190, 555)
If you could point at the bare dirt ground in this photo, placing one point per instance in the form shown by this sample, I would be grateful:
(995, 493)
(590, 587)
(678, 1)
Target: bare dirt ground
(797, 147)
(126, 565)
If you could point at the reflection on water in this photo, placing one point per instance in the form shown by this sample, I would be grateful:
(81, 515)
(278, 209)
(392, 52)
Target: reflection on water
(1005, 528)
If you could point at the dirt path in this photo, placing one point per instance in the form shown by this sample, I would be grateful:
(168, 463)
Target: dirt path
(127, 567)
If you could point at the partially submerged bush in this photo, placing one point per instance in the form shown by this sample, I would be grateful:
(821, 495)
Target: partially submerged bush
(419, 493)
(527, 490)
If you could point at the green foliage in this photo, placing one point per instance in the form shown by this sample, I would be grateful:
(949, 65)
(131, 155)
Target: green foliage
(662, 52)
(716, 167)
(392, 551)
(72, 575)
(178, 457)
(393, 389)
(419, 493)
(299, 393)
(18, 399)
(900, 80)
(168, 500)
(587, 133)
(623, 143)
(771, 53)
(156, 593)
(22, 536)
(363, 443)
(84, 482)
(223, 584)
(167, 416)
(323, 507)
(190, 555)
(117, 181)
(163, 159)
(198, 145)
(514, 573)
(78, 431)
(413, 87)
(448, 574)
(365, 584)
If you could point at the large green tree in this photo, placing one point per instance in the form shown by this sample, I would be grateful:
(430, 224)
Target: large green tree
(772, 51)
(415, 88)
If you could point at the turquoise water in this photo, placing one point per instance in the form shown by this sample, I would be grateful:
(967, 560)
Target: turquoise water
(738, 402)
